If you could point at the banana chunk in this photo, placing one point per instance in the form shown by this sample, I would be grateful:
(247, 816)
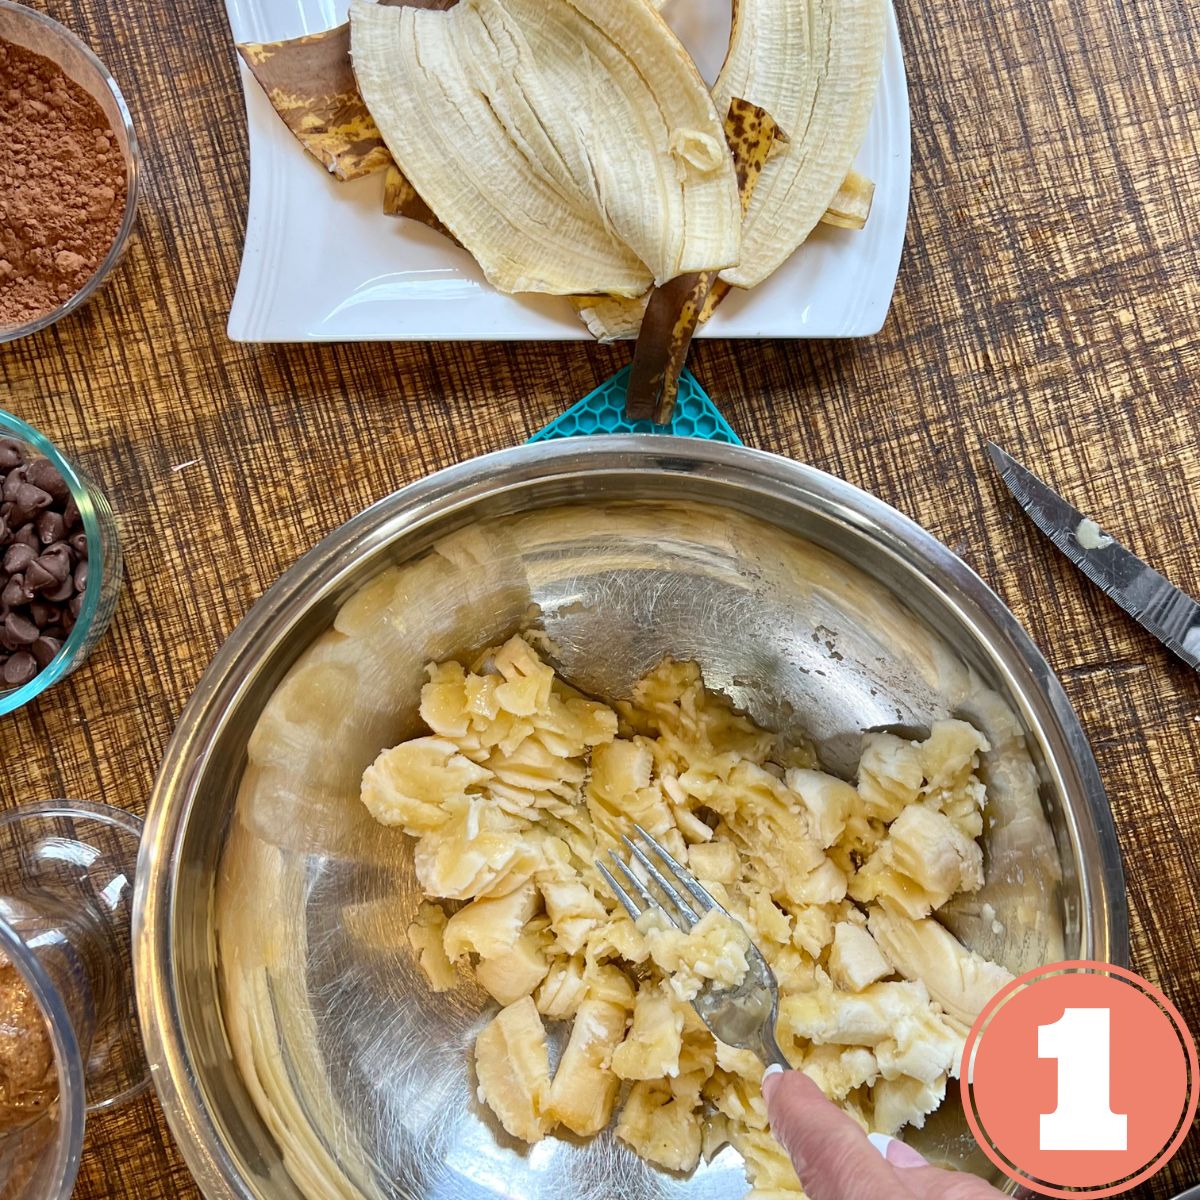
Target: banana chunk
(855, 961)
(585, 1087)
(651, 1049)
(661, 1127)
(924, 860)
(513, 1066)
(408, 784)
(903, 1101)
(425, 935)
(960, 981)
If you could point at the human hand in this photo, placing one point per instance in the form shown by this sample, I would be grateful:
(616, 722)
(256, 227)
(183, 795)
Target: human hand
(836, 1161)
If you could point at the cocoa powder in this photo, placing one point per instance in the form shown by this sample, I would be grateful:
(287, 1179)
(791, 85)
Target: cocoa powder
(62, 186)
(28, 1077)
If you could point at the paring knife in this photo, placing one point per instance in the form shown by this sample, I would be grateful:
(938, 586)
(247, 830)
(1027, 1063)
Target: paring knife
(1154, 602)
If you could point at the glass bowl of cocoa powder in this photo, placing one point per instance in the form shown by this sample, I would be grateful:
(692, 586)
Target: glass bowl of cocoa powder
(42, 1083)
(60, 563)
(69, 165)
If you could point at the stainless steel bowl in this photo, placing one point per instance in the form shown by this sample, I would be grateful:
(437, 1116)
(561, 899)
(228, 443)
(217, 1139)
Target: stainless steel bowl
(295, 1049)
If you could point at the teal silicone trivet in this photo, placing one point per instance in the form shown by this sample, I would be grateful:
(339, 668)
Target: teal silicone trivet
(603, 411)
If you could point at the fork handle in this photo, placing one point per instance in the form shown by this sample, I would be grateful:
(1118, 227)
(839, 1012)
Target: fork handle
(771, 1053)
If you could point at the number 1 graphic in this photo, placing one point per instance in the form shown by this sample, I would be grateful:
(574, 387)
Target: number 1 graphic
(1083, 1120)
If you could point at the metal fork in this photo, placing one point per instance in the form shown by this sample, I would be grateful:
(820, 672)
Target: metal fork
(742, 1016)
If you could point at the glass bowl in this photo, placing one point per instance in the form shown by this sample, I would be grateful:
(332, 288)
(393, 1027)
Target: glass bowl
(41, 35)
(104, 565)
(66, 883)
(39, 1161)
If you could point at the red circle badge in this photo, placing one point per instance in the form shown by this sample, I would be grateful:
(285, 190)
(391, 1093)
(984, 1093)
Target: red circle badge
(1079, 1076)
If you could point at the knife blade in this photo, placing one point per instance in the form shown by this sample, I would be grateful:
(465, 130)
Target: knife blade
(1153, 601)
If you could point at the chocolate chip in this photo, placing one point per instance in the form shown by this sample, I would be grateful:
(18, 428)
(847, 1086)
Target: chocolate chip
(18, 557)
(21, 629)
(42, 613)
(12, 481)
(43, 562)
(19, 669)
(57, 560)
(32, 498)
(44, 650)
(42, 474)
(14, 593)
(49, 526)
(38, 578)
(28, 502)
(61, 591)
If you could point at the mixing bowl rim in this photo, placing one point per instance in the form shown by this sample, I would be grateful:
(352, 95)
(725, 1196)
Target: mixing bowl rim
(454, 489)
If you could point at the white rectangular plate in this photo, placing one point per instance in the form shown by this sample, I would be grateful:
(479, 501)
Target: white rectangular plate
(322, 263)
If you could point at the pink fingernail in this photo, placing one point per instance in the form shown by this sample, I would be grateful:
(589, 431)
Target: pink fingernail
(900, 1155)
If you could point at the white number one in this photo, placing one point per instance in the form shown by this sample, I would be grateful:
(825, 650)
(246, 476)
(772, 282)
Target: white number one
(1083, 1120)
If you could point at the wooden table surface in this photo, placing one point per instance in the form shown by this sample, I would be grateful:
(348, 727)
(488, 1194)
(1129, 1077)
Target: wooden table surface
(1048, 298)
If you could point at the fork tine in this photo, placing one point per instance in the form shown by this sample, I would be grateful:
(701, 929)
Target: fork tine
(643, 893)
(686, 912)
(629, 903)
(695, 889)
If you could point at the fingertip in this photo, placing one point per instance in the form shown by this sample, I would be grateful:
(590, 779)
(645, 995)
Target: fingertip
(791, 1096)
(896, 1152)
(823, 1142)
(901, 1155)
(800, 1087)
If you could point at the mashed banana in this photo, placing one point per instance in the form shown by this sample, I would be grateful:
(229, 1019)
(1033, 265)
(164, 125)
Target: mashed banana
(523, 783)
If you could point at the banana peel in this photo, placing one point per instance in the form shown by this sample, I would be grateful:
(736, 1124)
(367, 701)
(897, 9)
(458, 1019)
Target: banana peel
(815, 68)
(400, 199)
(569, 145)
(674, 309)
(851, 206)
(310, 84)
(615, 318)
(719, 290)
(814, 65)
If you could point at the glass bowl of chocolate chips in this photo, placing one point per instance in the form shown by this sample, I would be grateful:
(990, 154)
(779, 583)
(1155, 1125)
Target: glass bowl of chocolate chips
(69, 165)
(60, 564)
